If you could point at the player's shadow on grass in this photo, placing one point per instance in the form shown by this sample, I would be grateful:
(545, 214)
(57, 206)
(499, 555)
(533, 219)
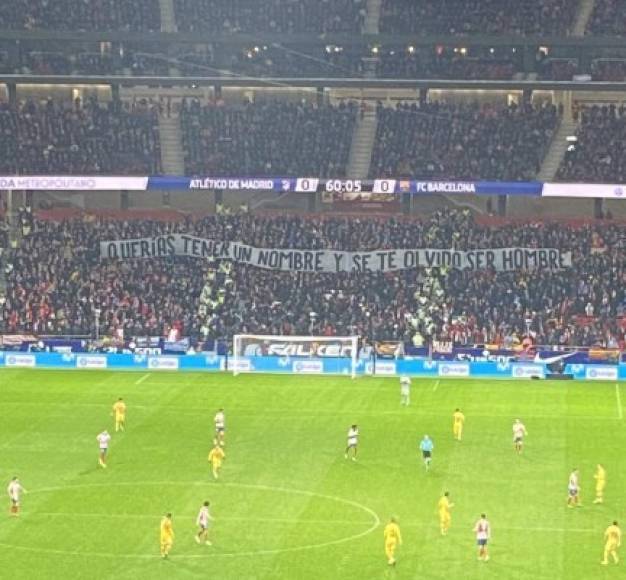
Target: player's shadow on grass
(92, 470)
(390, 573)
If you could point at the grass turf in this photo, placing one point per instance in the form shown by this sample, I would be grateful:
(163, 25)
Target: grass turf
(288, 505)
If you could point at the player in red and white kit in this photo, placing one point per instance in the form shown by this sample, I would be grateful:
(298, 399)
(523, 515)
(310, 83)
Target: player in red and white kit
(203, 520)
(15, 490)
(220, 427)
(519, 432)
(482, 529)
(573, 490)
(103, 443)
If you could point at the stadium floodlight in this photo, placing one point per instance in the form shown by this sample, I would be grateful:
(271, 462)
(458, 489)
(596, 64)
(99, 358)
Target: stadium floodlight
(296, 354)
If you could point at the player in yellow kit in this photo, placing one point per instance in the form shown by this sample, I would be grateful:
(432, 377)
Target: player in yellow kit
(445, 517)
(216, 456)
(613, 539)
(393, 538)
(457, 427)
(167, 535)
(119, 410)
(600, 477)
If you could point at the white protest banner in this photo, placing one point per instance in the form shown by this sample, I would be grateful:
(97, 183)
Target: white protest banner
(331, 261)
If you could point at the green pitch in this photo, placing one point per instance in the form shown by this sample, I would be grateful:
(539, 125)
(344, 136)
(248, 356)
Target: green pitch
(288, 505)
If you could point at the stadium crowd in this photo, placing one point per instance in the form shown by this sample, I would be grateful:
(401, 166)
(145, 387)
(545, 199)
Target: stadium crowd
(81, 15)
(460, 141)
(477, 16)
(286, 16)
(609, 69)
(278, 137)
(83, 61)
(599, 154)
(291, 60)
(57, 283)
(83, 137)
(442, 17)
(608, 17)
(318, 16)
(267, 138)
(444, 63)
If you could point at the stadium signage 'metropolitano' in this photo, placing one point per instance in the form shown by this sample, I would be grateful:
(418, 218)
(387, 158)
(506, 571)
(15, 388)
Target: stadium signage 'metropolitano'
(357, 189)
(331, 261)
(72, 183)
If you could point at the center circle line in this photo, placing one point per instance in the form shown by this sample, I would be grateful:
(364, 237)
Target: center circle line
(375, 521)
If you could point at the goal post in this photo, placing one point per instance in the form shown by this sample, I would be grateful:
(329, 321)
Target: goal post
(295, 354)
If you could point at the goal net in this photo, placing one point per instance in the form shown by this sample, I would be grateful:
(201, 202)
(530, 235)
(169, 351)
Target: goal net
(295, 354)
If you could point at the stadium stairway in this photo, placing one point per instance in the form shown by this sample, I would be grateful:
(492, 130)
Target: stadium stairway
(362, 145)
(172, 156)
(558, 147)
(168, 16)
(582, 17)
(3, 278)
(372, 19)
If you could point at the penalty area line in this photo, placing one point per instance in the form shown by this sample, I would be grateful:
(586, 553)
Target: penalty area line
(436, 385)
(142, 379)
(620, 409)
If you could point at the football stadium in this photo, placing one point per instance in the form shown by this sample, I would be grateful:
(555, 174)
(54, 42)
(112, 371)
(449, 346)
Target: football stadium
(313, 289)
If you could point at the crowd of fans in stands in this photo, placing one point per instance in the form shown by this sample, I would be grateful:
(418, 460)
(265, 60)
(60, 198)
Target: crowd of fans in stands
(79, 137)
(432, 140)
(270, 16)
(294, 61)
(608, 17)
(444, 64)
(446, 17)
(57, 283)
(267, 138)
(477, 16)
(316, 16)
(291, 60)
(85, 62)
(460, 141)
(81, 14)
(599, 154)
(610, 69)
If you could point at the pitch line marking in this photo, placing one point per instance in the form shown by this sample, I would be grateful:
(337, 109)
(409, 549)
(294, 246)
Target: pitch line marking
(375, 521)
(289, 414)
(436, 385)
(620, 410)
(156, 517)
(142, 379)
